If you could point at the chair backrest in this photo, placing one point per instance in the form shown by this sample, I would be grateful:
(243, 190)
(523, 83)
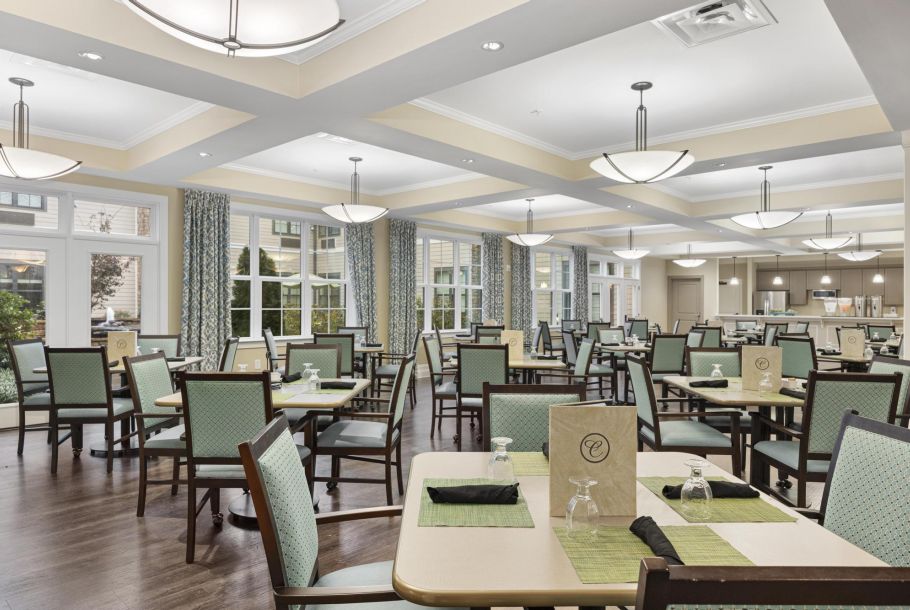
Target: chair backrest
(223, 410)
(479, 364)
(668, 354)
(414, 346)
(663, 587)
(700, 361)
(772, 329)
(271, 347)
(25, 356)
(797, 356)
(400, 393)
(746, 324)
(885, 365)
(284, 507)
(583, 357)
(695, 337)
(643, 386)
(829, 395)
(611, 335)
(169, 344)
(675, 327)
(545, 335)
(474, 325)
(535, 342)
(487, 332)
(522, 412)
(325, 357)
(149, 379)
(638, 327)
(361, 333)
(228, 355)
(488, 340)
(712, 336)
(594, 329)
(801, 327)
(571, 347)
(884, 331)
(347, 349)
(79, 377)
(434, 358)
(571, 325)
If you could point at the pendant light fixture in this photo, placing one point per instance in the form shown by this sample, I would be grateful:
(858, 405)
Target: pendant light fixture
(632, 253)
(529, 238)
(878, 278)
(859, 255)
(765, 218)
(355, 212)
(258, 28)
(826, 279)
(642, 165)
(20, 161)
(777, 280)
(734, 281)
(687, 261)
(828, 242)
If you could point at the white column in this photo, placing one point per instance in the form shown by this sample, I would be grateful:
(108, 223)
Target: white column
(905, 141)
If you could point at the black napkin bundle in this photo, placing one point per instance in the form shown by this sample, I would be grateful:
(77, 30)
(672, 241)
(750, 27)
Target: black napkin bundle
(794, 393)
(831, 352)
(651, 534)
(339, 385)
(372, 344)
(719, 489)
(176, 359)
(612, 344)
(547, 357)
(290, 378)
(710, 383)
(475, 494)
(113, 363)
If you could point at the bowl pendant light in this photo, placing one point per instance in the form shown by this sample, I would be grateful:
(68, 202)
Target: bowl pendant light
(632, 253)
(20, 161)
(688, 261)
(828, 242)
(826, 279)
(355, 212)
(859, 255)
(765, 218)
(878, 278)
(529, 238)
(778, 280)
(642, 166)
(734, 281)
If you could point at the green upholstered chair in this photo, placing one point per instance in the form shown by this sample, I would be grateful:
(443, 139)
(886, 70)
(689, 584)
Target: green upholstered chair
(700, 362)
(582, 368)
(695, 337)
(361, 335)
(326, 359)
(384, 368)
(290, 538)
(772, 329)
(441, 389)
(570, 343)
(713, 335)
(477, 364)
(158, 428)
(828, 395)
(369, 437)
(667, 357)
(522, 412)
(347, 349)
(797, 356)
(594, 329)
(746, 324)
(801, 328)
(488, 334)
(546, 339)
(228, 355)
(639, 328)
(488, 340)
(32, 389)
(885, 365)
(80, 383)
(665, 587)
(272, 354)
(168, 344)
(679, 431)
(574, 325)
(611, 335)
(446, 356)
(222, 410)
(884, 331)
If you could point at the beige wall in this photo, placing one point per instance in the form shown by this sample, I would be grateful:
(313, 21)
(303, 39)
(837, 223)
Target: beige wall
(709, 281)
(654, 290)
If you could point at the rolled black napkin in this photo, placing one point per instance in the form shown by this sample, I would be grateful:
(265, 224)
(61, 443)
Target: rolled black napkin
(176, 359)
(710, 383)
(830, 352)
(547, 357)
(475, 494)
(113, 363)
(719, 489)
(339, 385)
(653, 536)
(466, 336)
(546, 450)
(372, 344)
(290, 378)
(794, 393)
(613, 344)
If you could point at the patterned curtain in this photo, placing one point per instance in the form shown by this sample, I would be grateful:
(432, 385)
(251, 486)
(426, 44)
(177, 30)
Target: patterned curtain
(580, 283)
(402, 285)
(492, 297)
(521, 290)
(358, 243)
(206, 319)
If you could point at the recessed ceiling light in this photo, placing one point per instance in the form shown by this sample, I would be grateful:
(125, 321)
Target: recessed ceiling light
(91, 55)
(721, 164)
(467, 160)
(492, 45)
(629, 206)
(205, 154)
(537, 112)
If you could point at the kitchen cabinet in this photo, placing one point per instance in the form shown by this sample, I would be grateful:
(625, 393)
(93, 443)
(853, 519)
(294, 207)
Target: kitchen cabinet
(764, 280)
(798, 290)
(851, 282)
(894, 286)
(814, 279)
(870, 289)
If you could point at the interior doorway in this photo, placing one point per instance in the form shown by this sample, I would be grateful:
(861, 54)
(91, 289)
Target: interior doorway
(685, 302)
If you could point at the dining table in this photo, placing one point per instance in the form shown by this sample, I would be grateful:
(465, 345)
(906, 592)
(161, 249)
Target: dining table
(529, 565)
(526, 364)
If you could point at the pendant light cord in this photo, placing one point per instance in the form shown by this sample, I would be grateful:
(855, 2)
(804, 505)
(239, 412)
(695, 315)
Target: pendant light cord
(765, 192)
(641, 123)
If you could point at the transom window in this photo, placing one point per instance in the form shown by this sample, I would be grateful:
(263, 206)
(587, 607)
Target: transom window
(448, 283)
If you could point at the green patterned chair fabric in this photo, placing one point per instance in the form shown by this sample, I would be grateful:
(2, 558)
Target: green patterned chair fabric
(583, 357)
(488, 332)
(229, 355)
(347, 350)
(400, 388)
(746, 324)
(884, 332)
(712, 336)
(641, 379)
(801, 327)
(611, 335)
(29, 356)
(525, 418)
(488, 340)
(324, 358)
(871, 399)
(360, 333)
(594, 329)
(892, 365)
(701, 362)
(771, 332)
(434, 358)
(151, 379)
(79, 377)
(694, 338)
(222, 414)
(668, 354)
(639, 328)
(797, 356)
(165, 343)
(570, 346)
(477, 365)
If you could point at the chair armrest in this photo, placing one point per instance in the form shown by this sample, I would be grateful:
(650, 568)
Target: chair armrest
(688, 414)
(279, 357)
(902, 417)
(305, 596)
(770, 423)
(176, 413)
(809, 513)
(369, 399)
(358, 514)
(386, 356)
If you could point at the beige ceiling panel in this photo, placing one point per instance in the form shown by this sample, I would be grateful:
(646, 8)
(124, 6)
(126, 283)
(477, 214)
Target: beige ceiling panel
(651, 196)
(468, 189)
(478, 222)
(590, 222)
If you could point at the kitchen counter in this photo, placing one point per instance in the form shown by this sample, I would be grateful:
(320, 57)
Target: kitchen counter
(822, 328)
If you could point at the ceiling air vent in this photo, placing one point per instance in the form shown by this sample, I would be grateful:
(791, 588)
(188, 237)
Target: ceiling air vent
(714, 20)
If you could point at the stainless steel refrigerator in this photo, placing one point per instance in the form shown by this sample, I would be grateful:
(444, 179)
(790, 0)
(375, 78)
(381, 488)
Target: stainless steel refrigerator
(768, 302)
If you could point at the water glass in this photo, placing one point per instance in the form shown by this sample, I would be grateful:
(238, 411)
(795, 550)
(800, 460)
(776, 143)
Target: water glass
(765, 385)
(533, 354)
(875, 336)
(155, 350)
(500, 467)
(716, 371)
(306, 376)
(868, 353)
(315, 382)
(241, 368)
(695, 496)
(582, 512)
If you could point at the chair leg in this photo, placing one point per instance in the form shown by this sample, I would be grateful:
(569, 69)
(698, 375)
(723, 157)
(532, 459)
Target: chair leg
(190, 521)
(215, 504)
(109, 440)
(433, 406)
(176, 475)
(398, 468)
(801, 493)
(143, 478)
(55, 445)
(388, 478)
(458, 427)
(22, 430)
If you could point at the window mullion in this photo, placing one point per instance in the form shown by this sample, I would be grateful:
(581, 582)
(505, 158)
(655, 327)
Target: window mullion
(255, 280)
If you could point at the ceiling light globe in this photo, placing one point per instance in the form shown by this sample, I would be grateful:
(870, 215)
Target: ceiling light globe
(633, 254)
(355, 214)
(777, 281)
(765, 220)
(734, 281)
(878, 278)
(859, 256)
(529, 239)
(828, 243)
(690, 262)
(29, 164)
(826, 279)
(642, 166)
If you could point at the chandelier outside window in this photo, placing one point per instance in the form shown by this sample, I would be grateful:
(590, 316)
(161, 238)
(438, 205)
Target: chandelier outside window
(20, 161)
(642, 165)
(828, 242)
(859, 255)
(252, 28)
(355, 212)
(734, 281)
(765, 218)
(632, 253)
(689, 262)
(529, 238)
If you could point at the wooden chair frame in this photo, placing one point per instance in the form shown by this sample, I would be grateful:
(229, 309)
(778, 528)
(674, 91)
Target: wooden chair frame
(347, 339)
(459, 407)
(437, 408)
(514, 388)
(798, 339)
(312, 346)
(222, 360)
(272, 353)
(22, 392)
(376, 378)
(140, 337)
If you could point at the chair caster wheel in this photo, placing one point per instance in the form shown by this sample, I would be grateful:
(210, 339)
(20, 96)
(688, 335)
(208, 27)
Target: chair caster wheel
(786, 484)
(472, 424)
(77, 452)
(331, 486)
(217, 519)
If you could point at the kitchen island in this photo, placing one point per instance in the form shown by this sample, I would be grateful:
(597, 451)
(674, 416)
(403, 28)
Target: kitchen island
(821, 328)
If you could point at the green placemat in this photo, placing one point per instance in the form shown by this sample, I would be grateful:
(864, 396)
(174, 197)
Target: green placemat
(615, 554)
(530, 464)
(723, 510)
(471, 515)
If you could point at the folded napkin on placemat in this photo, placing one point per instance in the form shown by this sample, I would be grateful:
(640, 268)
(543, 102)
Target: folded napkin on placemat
(176, 359)
(339, 385)
(464, 336)
(290, 378)
(719, 489)
(610, 344)
(475, 494)
(709, 383)
(651, 534)
(547, 357)
(830, 352)
(793, 393)
(546, 450)
(372, 344)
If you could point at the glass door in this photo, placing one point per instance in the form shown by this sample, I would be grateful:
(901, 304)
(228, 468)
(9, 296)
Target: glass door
(34, 270)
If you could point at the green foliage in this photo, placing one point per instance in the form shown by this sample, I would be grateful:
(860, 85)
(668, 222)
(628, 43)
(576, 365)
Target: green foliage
(107, 277)
(17, 321)
(7, 386)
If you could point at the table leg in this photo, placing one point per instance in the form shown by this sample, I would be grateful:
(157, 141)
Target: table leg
(760, 475)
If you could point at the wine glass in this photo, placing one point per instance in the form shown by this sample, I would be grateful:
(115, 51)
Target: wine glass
(868, 353)
(695, 496)
(306, 376)
(315, 382)
(500, 468)
(875, 336)
(716, 372)
(241, 368)
(765, 385)
(884, 350)
(582, 511)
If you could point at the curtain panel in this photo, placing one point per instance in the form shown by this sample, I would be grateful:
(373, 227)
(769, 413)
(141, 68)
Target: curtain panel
(580, 283)
(521, 291)
(491, 274)
(403, 321)
(205, 321)
(358, 243)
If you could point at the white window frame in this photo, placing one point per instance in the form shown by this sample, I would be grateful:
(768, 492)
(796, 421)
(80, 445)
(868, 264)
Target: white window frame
(554, 310)
(619, 280)
(426, 288)
(256, 213)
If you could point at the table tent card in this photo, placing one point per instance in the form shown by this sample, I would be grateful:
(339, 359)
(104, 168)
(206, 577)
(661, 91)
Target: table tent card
(595, 440)
(758, 360)
(852, 342)
(515, 339)
(121, 343)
